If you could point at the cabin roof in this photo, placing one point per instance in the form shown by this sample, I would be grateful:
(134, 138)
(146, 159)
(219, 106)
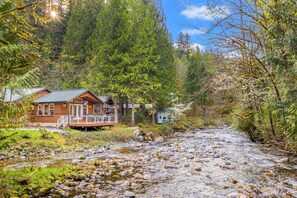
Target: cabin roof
(18, 94)
(63, 96)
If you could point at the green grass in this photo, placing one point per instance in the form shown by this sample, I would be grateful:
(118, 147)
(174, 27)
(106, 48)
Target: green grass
(38, 139)
(43, 140)
(32, 180)
(103, 137)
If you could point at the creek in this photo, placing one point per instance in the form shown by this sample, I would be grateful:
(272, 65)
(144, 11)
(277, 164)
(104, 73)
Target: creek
(218, 162)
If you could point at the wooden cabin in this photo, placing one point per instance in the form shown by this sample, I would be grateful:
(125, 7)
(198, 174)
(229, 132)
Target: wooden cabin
(69, 108)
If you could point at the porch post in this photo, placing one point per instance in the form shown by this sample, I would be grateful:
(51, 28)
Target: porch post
(68, 113)
(116, 109)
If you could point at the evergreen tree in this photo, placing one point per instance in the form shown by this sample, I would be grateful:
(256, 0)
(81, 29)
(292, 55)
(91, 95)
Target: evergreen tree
(77, 44)
(18, 58)
(110, 44)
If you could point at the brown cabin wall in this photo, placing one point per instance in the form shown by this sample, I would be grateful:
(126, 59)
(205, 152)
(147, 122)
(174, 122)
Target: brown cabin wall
(60, 110)
(40, 94)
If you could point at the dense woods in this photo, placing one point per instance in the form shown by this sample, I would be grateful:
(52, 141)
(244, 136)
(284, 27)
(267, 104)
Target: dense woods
(83, 83)
(123, 49)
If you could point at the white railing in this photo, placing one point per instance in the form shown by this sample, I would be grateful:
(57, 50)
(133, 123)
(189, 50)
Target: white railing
(62, 121)
(99, 119)
(89, 119)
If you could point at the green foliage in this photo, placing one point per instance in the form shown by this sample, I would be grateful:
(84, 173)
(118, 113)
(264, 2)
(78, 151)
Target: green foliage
(31, 180)
(120, 133)
(40, 140)
(189, 124)
(18, 57)
(165, 130)
(264, 70)
(45, 134)
(142, 116)
(77, 44)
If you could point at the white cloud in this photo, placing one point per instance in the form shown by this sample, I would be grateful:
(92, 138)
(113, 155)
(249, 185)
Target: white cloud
(201, 47)
(194, 31)
(194, 46)
(206, 12)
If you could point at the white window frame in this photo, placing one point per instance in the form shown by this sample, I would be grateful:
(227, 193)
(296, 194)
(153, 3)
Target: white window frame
(41, 109)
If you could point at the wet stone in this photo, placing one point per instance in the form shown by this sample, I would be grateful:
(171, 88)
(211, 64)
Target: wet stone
(190, 156)
(147, 176)
(129, 194)
(125, 185)
(171, 166)
(227, 162)
(138, 176)
(197, 168)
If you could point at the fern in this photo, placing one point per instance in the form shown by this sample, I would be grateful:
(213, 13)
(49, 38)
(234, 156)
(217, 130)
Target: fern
(7, 5)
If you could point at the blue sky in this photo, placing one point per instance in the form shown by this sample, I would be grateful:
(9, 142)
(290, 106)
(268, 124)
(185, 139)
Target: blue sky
(193, 17)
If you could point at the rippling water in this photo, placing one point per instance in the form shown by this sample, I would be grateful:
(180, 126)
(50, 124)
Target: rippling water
(257, 172)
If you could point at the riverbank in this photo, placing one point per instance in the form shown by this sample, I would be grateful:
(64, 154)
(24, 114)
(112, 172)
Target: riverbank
(204, 163)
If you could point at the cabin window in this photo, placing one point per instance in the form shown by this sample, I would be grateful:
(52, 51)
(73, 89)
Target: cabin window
(85, 110)
(96, 109)
(46, 109)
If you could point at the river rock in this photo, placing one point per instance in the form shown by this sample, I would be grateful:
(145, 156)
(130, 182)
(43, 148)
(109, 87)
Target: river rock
(69, 183)
(159, 139)
(138, 176)
(197, 168)
(227, 166)
(62, 193)
(129, 194)
(134, 185)
(227, 162)
(190, 156)
(66, 188)
(125, 185)
(282, 160)
(78, 196)
(119, 182)
(216, 156)
(171, 166)
(81, 177)
(186, 165)
(147, 176)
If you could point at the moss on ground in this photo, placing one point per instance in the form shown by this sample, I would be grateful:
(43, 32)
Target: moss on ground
(32, 180)
(30, 138)
(103, 137)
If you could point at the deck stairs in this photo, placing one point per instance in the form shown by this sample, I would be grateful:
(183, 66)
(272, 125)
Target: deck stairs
(62, 122)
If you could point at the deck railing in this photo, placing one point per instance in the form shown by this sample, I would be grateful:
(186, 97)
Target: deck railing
(89, 119)
(99, 119)
(62, 122)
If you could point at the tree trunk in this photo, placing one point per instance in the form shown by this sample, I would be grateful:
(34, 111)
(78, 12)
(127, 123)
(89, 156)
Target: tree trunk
(272, 125)
(122, 105)
(127, 106)
(116, 109)
(153, 119)
(133, 112)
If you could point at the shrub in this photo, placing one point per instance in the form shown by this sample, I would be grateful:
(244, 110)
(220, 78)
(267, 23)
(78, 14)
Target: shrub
(45, 134)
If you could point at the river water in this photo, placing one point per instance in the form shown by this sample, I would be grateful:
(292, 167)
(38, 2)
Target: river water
(205, 163)
(251, 171)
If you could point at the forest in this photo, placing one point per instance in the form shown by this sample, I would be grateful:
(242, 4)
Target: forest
(248, 80)
(123, 49)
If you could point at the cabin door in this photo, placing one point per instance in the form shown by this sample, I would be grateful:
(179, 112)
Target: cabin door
(78, 111)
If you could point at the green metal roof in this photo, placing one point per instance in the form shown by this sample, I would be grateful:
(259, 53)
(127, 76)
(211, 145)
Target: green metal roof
(62, 96)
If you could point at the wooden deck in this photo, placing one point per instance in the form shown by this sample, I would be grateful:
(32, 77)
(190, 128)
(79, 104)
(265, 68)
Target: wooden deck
(83, 124)
(86, 121)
